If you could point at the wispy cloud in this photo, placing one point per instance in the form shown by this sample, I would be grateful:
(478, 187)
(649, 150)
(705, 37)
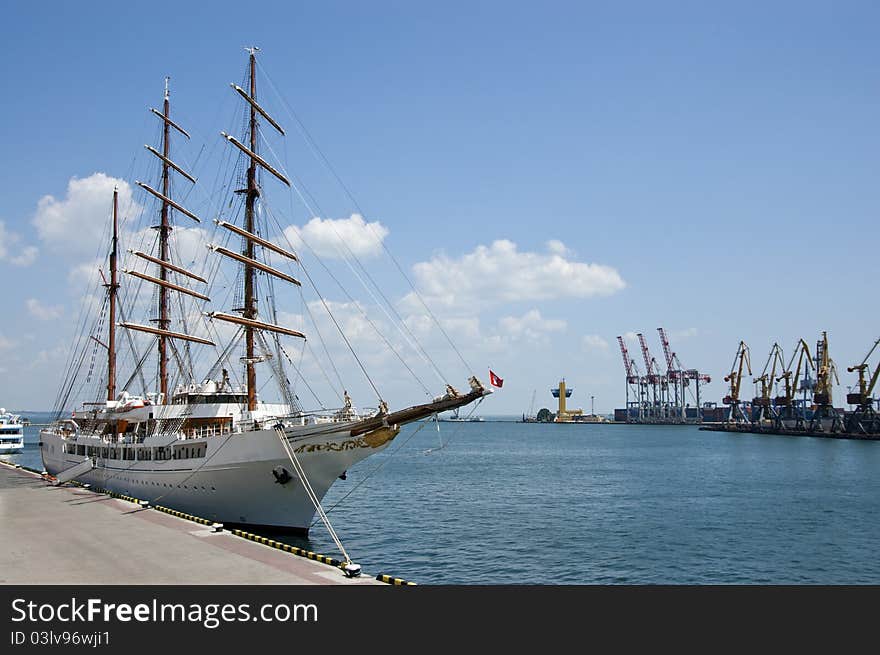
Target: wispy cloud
(43, 312)
(594, 342)
(12, 252)
(531, 326)
(686, 333)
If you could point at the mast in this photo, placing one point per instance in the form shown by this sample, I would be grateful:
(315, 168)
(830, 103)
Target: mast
(163, 261)
(250, 303)
(251, 239)
(112, 287)
(164, 229)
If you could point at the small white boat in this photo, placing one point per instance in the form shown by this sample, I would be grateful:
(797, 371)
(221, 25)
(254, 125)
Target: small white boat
(11, 433)
(456, 418)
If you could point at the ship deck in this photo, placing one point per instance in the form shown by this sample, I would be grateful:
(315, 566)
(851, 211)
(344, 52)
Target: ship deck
(70, 535)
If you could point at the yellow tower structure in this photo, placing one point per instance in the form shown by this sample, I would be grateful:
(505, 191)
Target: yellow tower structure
(563, 414)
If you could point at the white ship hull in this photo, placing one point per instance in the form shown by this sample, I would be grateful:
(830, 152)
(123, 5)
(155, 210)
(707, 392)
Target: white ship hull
(232, 480)
(12, 446)
(11, 434)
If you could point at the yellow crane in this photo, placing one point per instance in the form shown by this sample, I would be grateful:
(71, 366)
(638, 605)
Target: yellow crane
(864, 419)
(866, 388)
(791, 376)
(802, 354)
(826, 374)
(735, 380)
(767, 380)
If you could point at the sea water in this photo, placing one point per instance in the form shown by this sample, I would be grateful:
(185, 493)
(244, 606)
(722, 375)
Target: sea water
(506, 502)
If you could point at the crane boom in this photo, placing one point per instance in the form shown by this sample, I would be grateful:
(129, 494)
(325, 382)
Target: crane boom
(866, 387)
(736, 370)
(628, 364)
(801, 353)
(647, 355)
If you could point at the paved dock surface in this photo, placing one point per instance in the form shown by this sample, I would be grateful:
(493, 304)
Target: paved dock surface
(69, 535)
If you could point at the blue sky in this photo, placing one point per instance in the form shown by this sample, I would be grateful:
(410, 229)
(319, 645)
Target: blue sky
(721, 158)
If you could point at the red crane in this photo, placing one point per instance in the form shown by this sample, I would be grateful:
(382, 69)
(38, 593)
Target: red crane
(666, 350)
(653, 377)
(632, 374)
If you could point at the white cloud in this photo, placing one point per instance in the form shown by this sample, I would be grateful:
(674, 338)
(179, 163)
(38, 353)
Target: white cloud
(463, 327)
(58, 353)
(76, 223)
(501, 273)
(6, 343)
(530, 326)
(686, 333)
(84, 276)
(557, 247)
(43, 312)
(631, 337)
(27, 256)
(13, 253)
(336, 237)
(594, 342)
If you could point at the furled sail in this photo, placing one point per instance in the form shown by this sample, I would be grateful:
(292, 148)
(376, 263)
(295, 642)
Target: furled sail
(170, 163)
(170, 122)
(256, 239)
(260, 110)
(254, 157)
(168, 200)
(167, 265)
(256, 264)
(247, 322)
(167, 284)
(165, 333)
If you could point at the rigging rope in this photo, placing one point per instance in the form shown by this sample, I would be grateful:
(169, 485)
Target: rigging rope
(376, 469)
(279, 430)
(399, 323)
(326, 162)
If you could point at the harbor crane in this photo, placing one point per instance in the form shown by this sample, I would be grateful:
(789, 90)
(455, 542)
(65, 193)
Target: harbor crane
(635, 383)
(791, 376)
(657, 381)
(826, 376)
(735, 379)
(864, 419)
(767, 380)
(673, 375)
(681, 377)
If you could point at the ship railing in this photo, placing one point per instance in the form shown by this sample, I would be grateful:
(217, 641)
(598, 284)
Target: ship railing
(207, 431)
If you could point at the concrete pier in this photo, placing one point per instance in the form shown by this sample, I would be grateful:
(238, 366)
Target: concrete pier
(748, 428)
(70, 535)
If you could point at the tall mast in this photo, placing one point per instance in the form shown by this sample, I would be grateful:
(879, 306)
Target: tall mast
(112, 287)
(250, 303)
(163, 260)
(247, 256)
(164, 229)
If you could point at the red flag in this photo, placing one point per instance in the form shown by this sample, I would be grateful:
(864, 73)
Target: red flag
(494, 380)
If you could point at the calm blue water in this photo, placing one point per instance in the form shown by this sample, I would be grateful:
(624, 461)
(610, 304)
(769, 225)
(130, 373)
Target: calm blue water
(565, 504)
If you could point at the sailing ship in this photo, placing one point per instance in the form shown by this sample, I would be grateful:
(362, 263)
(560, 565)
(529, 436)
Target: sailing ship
(207, 445)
